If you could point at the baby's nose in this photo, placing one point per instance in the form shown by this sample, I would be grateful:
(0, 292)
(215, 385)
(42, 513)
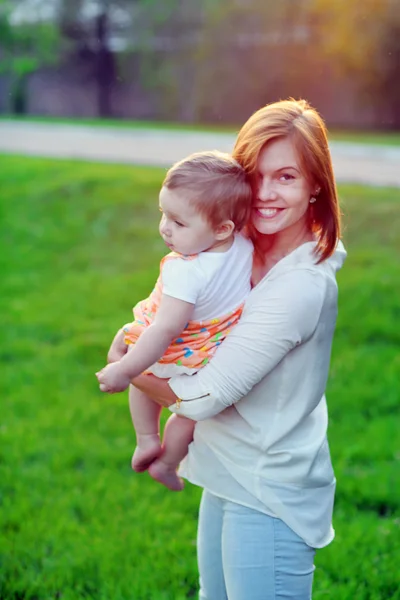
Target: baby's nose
(164, 230)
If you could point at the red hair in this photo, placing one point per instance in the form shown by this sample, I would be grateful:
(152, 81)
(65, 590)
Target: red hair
(299, 122)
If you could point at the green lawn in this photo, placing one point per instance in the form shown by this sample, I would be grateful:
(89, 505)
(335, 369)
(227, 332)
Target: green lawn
(367, 137)
(80, 247)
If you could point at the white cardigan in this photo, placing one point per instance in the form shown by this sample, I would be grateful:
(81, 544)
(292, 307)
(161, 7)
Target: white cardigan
(261, 438)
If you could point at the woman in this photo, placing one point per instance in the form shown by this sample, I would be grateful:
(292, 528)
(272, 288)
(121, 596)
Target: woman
(260, 449)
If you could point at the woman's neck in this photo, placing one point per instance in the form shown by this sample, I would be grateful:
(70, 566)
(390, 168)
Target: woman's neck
(272, 248)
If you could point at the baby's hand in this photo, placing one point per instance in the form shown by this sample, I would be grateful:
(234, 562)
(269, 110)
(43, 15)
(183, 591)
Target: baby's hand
(113, 378)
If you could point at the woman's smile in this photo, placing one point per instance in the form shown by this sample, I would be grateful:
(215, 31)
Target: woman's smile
(268, 213)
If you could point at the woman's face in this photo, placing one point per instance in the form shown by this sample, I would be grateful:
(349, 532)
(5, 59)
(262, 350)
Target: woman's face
(282, 191)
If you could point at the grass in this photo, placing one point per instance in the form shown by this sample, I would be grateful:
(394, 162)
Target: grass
(366, 137)
(80, 247)
(124, 123)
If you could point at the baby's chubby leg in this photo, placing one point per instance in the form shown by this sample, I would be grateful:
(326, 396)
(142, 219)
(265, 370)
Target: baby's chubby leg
(178, 434)
(146, 420)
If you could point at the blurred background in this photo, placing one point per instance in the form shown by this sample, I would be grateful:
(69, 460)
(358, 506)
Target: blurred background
(208, 61)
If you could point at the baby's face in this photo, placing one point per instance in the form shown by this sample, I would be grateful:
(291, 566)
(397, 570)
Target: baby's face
(182, 228)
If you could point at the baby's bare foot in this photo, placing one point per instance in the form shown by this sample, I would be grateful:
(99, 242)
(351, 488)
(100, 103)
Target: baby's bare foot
(165, 474)
(147, 450)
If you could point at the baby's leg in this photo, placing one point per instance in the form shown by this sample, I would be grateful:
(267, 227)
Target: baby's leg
(178, 434)
(146, 420)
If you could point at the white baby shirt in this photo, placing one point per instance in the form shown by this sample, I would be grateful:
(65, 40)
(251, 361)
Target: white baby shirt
(215, 282)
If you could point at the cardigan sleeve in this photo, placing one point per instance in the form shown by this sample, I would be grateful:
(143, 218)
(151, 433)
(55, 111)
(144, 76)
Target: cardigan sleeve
(279, 314)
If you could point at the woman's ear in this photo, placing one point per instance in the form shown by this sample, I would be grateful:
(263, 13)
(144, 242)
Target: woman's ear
(224, 230)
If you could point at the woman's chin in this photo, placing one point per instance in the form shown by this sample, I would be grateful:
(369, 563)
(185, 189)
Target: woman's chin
(265, 227)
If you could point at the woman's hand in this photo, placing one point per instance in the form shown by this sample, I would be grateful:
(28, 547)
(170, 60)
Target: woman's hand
(157, 389)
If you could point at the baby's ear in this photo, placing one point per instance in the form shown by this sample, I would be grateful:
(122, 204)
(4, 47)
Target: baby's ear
(224, 230)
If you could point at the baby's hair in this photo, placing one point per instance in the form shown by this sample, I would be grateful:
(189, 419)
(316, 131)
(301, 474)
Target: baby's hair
(216, 185)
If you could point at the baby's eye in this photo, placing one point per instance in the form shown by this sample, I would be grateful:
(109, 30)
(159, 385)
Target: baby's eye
(179, 224)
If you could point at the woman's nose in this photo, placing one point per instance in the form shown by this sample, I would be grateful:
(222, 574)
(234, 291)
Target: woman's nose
(266, 191)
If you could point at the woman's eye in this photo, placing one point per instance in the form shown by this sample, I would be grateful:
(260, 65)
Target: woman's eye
(286, 176)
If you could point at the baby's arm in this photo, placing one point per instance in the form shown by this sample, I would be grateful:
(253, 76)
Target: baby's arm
(169, 322)
(118, 347)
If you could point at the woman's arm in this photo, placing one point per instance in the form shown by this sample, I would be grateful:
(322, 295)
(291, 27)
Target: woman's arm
(280, 315)
(157, 389)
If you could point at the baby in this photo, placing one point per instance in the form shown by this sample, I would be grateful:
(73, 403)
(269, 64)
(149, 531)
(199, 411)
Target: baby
(205, 201)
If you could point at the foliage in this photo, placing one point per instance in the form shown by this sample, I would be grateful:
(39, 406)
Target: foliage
(80, 247)
(362, 39)
(23, 47)
(207, 61)
(241, 42)
(355, 42)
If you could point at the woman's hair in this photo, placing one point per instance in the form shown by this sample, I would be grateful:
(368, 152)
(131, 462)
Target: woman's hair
(299, 122)
(217, 186)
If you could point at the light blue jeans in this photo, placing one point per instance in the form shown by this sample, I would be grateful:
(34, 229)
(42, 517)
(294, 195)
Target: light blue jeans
(244, 554)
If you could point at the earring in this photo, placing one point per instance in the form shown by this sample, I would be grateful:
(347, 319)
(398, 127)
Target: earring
(312, 200)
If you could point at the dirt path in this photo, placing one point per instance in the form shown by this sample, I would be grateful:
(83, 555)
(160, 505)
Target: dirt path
(356, 163)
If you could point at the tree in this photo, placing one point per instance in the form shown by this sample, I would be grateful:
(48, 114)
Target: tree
(249, 54)
(23, 48)
(87, 36)
(97, 36)
(362, 40)
(95, 31)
